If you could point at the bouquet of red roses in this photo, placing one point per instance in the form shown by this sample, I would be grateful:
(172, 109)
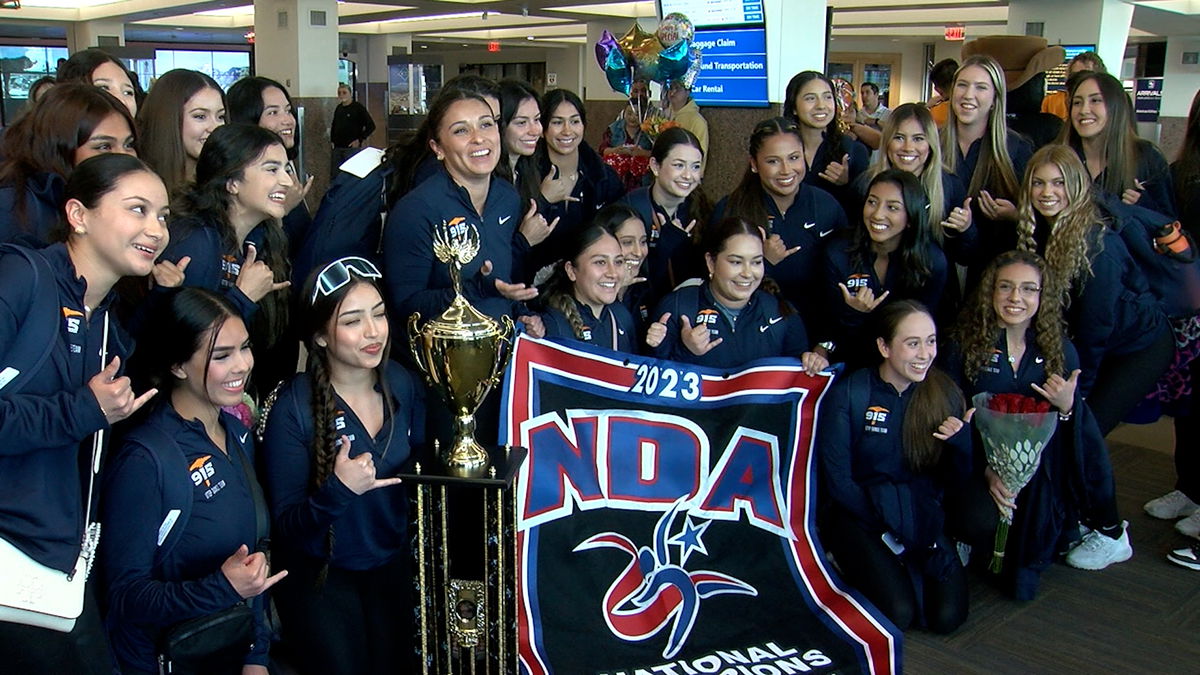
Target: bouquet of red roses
(1015, 429)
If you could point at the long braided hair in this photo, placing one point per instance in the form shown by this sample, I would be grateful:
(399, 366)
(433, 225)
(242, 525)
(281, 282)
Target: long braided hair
(978, 324)
(560, 289)
(1072, 243)
(319, 323)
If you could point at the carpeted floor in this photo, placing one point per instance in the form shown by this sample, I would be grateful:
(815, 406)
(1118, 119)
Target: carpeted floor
(1141, 616)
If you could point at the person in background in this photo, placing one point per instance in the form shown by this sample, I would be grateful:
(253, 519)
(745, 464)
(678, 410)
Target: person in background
(1058, 102)
(351, 127)
(832, 158)
(686, 114)
(941, 77)
(175, 120)
(1123, 166)
(871, 112)
(979, 150)
(96, 67)
(1183, 503)
(71, 123)
(264, 102)
(39, 87)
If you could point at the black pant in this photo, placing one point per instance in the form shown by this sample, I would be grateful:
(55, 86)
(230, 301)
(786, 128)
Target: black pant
(357, 623)
(33, 651)
(1123, 381)
(1187, 431)
(884, 577)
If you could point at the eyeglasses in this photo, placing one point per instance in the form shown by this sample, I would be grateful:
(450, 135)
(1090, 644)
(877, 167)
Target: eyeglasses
(337, 274)
(1027, 290)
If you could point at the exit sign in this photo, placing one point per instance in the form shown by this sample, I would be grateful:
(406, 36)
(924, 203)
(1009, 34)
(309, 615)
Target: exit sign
(493, 46)
(955, 33)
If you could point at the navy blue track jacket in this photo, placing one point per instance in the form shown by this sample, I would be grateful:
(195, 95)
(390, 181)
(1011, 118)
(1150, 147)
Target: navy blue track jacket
(149, 592)
(762, 330)
(48, 424)
(371, 529)
(417, 282)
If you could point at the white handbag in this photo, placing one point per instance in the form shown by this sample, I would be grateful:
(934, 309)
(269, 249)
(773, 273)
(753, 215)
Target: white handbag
(36, 595)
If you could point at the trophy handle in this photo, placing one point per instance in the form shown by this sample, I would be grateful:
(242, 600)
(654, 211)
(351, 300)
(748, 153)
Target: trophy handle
(414, 341)
(503, 354)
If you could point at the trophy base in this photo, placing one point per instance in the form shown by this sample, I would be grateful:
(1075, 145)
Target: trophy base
(466, 565)
(466, 458)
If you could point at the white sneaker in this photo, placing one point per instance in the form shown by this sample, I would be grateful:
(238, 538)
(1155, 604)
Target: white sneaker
(1172, 505)
(1097, 551)
(1190, 526)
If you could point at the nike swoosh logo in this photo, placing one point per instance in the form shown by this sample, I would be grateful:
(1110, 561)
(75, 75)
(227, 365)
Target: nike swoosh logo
(763, 329)
(505, 219)
(809, 226)
(242, 439)
(774, 321)
(824, 233)
(1038, 360)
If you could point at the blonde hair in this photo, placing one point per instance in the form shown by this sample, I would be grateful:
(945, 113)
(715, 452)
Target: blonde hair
(1072, 233)
(994, 172)
(931, 173)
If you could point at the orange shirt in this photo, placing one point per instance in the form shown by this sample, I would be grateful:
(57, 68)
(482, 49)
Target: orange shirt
(940, 113)
(1056, 103)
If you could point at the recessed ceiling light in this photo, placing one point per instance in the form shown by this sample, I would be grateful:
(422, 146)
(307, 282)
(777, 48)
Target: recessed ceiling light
(424, 46)
(528, 37)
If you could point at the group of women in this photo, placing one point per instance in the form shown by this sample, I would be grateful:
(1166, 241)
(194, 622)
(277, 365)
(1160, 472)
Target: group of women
(175, 217)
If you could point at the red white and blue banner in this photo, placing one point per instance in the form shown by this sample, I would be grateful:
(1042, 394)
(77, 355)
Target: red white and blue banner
(666, 521)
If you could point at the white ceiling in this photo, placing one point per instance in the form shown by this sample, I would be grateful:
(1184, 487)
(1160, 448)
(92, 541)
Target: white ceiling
(545, 22)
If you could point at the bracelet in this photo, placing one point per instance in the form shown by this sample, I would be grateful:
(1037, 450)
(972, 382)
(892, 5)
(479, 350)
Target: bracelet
(1065, 416)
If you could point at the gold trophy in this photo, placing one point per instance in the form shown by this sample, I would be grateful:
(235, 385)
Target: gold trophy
(463, 352)
(466, 507)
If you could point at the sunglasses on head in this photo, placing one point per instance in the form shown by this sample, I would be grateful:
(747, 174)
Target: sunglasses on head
(337, 274)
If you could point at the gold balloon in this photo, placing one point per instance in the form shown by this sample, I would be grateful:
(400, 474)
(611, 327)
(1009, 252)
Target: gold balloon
(641, 45)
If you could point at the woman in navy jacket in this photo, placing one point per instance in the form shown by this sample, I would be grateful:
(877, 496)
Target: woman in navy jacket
(575, 180)
(1101, 131)
(891, 256)
(984, 155)
(115, 210)
(582, 292)
(729, 320)
(464, 193)
(891, 440)
(340, 525)
(227, 226)
(832, 159)
(264, 102)
(70, 123)
(671, 208)
(1116, 323)
(160, 566)
(798, 219)
(1010, 340)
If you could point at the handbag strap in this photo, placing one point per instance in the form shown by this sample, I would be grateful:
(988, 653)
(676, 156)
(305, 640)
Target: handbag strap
(261, 523)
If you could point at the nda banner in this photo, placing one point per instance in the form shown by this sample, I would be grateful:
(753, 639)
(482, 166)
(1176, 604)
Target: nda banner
(666, 521)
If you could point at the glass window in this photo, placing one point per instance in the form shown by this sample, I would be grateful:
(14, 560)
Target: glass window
(224, 67)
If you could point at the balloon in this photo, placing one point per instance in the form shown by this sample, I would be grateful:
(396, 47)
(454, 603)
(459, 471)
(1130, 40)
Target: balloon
(667, 65)
(612, 61)
(675, 27)
(693, 71)
(668, 30)
(639, 45)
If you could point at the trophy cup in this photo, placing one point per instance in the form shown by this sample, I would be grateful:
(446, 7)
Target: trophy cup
(466, 509)
(463, 352)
